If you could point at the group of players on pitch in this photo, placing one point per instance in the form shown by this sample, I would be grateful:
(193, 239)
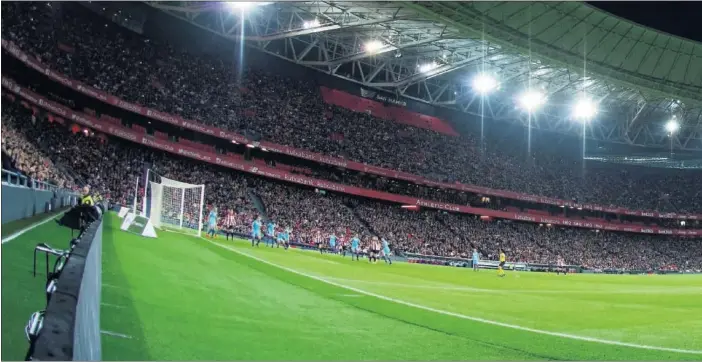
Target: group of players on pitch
(282, 237)
(332, 244)
(376, 248)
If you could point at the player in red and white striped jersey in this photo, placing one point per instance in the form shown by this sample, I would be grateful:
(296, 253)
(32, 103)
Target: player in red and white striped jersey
(229, 222)
(319, 240)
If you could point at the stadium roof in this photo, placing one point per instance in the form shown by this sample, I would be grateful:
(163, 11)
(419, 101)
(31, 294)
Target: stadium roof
(429, 51)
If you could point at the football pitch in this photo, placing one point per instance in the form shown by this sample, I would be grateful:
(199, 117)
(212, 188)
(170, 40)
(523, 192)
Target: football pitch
(183, 298)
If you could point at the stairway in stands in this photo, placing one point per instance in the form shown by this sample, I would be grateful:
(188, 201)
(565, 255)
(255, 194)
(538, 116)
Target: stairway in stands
(351, 205)
(257, 201)
(77, 178)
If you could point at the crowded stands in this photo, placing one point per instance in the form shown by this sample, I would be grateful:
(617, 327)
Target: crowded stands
(291, 111)
(21, 156)
(112, 165)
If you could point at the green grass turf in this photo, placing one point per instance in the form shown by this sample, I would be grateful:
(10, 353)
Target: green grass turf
(179, 297)
(23, 294)
(186, 298)
(13, 226)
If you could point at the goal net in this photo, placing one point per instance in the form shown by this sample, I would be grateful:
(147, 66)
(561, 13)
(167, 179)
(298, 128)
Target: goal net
(176, 205)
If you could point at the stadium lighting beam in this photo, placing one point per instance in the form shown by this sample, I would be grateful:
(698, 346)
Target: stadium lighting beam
(485, 84)
(672, 126)
(531, 100)
(427, 67)
(584, 110)
(244, 6)
(310, 24)
(373, 46)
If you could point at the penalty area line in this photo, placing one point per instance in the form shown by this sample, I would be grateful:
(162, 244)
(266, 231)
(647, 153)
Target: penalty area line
(463, 316)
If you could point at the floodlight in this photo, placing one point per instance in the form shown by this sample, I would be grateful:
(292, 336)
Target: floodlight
(485, 83)
(672, 126)
(240, 5)
(426, 67)
(373, 46)
(244, 6)
(584, 109)
(310, 24)
(531, 100)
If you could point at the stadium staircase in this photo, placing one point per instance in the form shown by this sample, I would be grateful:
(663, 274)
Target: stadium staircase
(77, 178)
(351, 204)
(258, 203)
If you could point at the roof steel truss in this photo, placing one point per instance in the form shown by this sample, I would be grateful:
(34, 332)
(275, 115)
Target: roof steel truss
(332, 36)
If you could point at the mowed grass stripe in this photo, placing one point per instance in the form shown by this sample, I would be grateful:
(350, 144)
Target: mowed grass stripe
(194, 300)
(581, 347)
(657, 320)
(580, 293)
(262, 312)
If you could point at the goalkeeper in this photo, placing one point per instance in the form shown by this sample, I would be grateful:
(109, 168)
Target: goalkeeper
(212, 231)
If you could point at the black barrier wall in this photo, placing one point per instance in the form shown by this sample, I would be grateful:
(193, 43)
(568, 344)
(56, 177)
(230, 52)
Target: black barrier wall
(71, 325)
(86, 339)
(21, 202)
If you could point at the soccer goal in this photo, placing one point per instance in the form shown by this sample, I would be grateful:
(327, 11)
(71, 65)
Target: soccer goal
(175, 205)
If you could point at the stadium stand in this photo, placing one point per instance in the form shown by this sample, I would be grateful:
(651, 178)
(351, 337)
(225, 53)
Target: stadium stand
(21, 156)
(292, 112)
(201, 152)
(308, 210)
(157, 75)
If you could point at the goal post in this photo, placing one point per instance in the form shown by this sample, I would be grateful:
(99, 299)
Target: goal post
(176, 205)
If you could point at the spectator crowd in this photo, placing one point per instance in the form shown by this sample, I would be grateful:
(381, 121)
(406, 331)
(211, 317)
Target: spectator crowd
(23, 158)
(289, 111)
(111, 166)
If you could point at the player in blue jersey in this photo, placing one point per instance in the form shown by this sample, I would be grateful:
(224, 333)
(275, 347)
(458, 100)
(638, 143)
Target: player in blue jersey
(281, 238)
(212, 222)
(256, 231)
(270, 233)
(386, 251)
(355, 247)
(332, 243)
(476, 259)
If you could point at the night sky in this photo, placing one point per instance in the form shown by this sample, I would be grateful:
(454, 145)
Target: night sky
(681, 18)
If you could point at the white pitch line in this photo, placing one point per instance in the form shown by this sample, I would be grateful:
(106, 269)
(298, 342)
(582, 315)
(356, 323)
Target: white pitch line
(115, 334)
(28, 228)
(112, 286)
(112, 305)
(417, 286)
(462, 316)
(501, 291)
